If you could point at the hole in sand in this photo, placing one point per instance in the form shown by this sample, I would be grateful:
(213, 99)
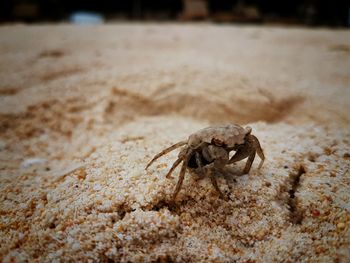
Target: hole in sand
(296, 215)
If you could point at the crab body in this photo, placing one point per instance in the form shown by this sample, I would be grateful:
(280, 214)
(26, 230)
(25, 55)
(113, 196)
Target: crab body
(229, 136)
(209, 148)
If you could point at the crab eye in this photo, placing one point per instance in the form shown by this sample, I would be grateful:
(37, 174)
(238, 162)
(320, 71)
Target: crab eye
(217, 142)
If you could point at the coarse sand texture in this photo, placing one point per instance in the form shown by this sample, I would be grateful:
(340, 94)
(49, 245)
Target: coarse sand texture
(84, 109)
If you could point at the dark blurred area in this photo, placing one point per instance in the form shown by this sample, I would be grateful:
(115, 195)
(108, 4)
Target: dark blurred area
(307, 12)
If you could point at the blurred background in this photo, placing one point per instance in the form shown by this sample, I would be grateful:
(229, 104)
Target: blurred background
(297, 12)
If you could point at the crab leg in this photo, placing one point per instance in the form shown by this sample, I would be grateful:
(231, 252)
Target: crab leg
(249, 150)
(259, 151)
(181, 178)
(199, 162)
(241, 154)
(215, 184)
(249, 163)
(175, 164)
(171, 148)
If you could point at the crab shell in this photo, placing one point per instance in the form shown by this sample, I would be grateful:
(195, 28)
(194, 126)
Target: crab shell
(228, 136)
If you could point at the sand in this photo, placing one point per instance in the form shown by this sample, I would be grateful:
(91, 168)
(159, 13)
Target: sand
(83, 109)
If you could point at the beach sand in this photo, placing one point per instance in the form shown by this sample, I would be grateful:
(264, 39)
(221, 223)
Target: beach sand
(84, 109)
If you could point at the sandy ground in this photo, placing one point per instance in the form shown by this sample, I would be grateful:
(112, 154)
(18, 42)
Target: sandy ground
(83, 109)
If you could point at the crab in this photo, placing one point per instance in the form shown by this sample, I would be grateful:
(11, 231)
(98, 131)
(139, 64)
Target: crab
(207, 152)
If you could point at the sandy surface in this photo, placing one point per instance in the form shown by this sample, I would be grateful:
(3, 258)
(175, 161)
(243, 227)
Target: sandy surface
(83, 109)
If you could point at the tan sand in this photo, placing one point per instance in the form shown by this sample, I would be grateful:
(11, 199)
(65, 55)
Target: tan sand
(83, 109)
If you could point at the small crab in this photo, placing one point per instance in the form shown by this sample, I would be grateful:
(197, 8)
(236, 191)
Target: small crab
(210, 148)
